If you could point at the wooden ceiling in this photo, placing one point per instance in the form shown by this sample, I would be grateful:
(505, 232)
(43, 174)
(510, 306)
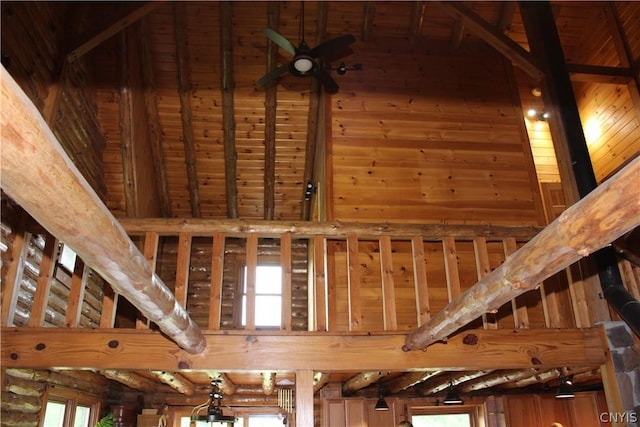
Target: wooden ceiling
(181, 75)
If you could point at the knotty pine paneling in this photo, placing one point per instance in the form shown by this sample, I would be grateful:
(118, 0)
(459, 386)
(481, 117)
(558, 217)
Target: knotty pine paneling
(433, 153)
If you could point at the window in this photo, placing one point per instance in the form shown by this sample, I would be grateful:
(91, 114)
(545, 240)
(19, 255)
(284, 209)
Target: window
(70, 408)
(68, 258)
(265, 420)
(441, 420)
(268, 312)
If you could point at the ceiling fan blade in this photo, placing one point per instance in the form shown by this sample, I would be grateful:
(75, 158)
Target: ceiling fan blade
(330, 85)
(280, 40)
(273, 74)
(329, 46)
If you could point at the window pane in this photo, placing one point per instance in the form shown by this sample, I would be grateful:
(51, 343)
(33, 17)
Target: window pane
(443, 420)
(68, 258)
(269, 279)
(54, 414)
(186, 422)
(271, 420)
(82, 416)
(268, 310)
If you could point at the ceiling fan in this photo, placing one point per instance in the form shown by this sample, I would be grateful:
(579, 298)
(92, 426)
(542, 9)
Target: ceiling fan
(306, 61)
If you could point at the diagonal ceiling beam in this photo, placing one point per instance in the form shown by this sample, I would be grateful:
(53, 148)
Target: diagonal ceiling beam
(494, 37)
(56, 195)
(595, 221)
(112, 29)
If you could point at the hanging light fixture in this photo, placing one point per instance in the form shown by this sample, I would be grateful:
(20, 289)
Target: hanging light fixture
(565, 389)
(452, 398)
(381, 404)
(213, 406)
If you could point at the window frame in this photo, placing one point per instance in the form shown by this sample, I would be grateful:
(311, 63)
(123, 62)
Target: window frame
(241, 264)
(474, 411)
(71, 399)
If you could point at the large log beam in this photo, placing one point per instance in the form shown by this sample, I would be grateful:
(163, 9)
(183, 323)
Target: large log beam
(55, 194)
(598, 219)
(256, 350)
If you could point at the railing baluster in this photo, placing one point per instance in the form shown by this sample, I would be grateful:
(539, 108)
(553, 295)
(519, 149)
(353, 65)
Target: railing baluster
(388, 287)
(451, 267)
(489, 320)
(285, 265)
(76, 294)
(217, 273)
(109, 306)
(520, 313)
(353, 283)
(43, 286)
(182, 268)
(150, 252)
(252, 263)
(320, 288)
(423, 311)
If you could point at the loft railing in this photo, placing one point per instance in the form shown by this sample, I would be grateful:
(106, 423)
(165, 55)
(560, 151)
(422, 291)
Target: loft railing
(335, 276)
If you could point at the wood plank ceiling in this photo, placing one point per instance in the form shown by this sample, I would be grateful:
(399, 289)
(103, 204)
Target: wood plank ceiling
(186, 132)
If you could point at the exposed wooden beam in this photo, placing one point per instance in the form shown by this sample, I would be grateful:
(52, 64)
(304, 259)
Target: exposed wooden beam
(91, 382)
(268, 382)
(176, 381)
(130, 379)
(151, 103)
(226, 386)
(320, 379)
(417, 18)
(256, 350)
(229, 123)
(240, 228)
(495, 379)
(311, 146)
(126, 126)
(507, 11)
(56, 195)
(184, 90)
(271, 102)
(595, 221)
(362, 380)
(494, 37)
(369, 11)
(443, 382)
(600, 74)
(112, 29)
(410, 379)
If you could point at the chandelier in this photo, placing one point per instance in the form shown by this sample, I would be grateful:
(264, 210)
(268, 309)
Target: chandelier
(213, 406)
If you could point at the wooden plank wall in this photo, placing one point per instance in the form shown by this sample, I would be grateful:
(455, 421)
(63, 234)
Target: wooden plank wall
(453, 151)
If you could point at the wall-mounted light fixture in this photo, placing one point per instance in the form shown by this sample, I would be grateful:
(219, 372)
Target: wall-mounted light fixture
(537, 115)
(309, 189)
(381, 404)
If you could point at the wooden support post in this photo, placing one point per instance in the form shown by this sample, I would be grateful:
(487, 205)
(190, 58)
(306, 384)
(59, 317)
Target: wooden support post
(353, 283)
(598, 219)
(150, 252)
(304, 398)
(217, 274)
(76, 294)
(43, 285)
(285, 265)
(109, 307)
(388, 286)
(421, 288)
(251, 264)
(52, 191)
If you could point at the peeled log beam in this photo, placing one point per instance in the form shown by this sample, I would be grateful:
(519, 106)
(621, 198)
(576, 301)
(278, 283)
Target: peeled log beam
(17, 419)
(21, 386)
(226, 386)
(12, 402)
(56, 378)
(131, 380)
(443, 382)
(54, 193)
(595, 221)
(268, 382)
(362, 380)
(319, 380)
(405, 381)
(495, 379)
(176, 381)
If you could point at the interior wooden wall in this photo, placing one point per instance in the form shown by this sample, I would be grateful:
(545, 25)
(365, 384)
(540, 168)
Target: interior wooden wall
(455, 150)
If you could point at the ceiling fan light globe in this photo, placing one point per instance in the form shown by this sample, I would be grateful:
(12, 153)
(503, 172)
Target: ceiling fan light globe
(303, 66)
